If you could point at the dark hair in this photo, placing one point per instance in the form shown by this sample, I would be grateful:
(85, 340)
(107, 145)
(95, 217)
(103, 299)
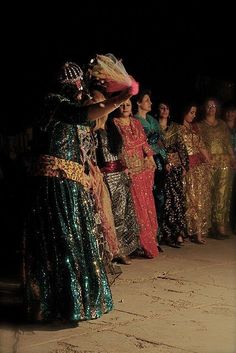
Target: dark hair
(142, 93)
(113, 136)
(114, 141)
(229, 106)
(139, 97)
(95, 85)
(185, 108)
(69, 91)
(157, 115)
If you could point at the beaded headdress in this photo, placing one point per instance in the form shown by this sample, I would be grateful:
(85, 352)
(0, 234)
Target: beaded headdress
(71, 73)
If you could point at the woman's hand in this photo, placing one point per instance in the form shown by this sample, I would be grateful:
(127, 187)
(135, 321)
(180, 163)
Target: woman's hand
(150, 163)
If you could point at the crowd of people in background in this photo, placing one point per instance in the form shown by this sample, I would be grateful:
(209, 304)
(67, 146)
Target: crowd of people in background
(106, 179)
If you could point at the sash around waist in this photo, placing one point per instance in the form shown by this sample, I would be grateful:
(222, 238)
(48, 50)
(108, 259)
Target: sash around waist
(113, 167)
(61, 168)
(195, 159)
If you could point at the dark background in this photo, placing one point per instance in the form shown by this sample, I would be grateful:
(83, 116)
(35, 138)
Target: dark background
(178, 50)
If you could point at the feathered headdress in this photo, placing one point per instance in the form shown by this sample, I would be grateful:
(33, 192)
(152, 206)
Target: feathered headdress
(111, 73)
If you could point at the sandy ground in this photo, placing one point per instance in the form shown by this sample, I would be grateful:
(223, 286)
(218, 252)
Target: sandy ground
(184, 301)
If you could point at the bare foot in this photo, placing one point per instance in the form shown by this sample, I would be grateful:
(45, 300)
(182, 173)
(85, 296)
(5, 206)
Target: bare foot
(200, 239)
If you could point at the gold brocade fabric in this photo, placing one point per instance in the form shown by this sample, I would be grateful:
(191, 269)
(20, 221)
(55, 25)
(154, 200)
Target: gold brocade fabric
(103, 203)
(61, 168)
(197, 186)
(134, 163)
(174, 159)
(198, 200)
(136, 146)
(218, 143)
(221, 194)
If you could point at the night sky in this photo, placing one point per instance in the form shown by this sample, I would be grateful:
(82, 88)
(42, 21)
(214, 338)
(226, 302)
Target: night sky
(167, 47)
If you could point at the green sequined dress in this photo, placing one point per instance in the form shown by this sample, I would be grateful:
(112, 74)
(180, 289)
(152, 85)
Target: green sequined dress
(63, 274)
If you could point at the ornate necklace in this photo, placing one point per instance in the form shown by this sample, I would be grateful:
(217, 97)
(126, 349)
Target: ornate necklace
(124, 121)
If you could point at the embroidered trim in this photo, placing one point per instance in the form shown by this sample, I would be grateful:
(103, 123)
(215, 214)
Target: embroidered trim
(61, 168)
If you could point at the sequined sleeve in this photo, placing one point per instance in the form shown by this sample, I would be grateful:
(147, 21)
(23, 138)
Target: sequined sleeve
(201, 144)
(182, 150)
(72, 113)
(62, 109)
(228, 139)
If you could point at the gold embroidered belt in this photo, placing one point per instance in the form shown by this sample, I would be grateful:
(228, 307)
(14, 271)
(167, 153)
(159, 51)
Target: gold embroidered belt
(61, 168)
(135, 164)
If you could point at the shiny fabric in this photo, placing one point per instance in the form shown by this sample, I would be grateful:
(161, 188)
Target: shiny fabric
(109, 245)
(155, 140)
(233, 138)
(64, 277)
(61, 168)
(233, 195)
(197, 185)
(113, 167)
(174, 222)
(108, 242)
(118, 184)
(218, 144)
(135, 150)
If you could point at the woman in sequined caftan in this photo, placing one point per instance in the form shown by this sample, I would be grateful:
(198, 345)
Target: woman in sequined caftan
(118, 184)
(107, 238)
(197, 178)
(63, 275)
(108, 243)
(217, 139)
(173, 219)
(230, 119)
(155, 140)
(138, 158)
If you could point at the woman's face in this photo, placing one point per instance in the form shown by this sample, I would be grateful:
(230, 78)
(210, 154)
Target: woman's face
(80, 89)
(146, 103)
(231, 115)
(164, 111)
(211, 107)
(126, 109)
(190, 116)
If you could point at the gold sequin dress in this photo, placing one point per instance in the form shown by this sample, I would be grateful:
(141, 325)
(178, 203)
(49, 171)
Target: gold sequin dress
(197, 184)
(218, 143)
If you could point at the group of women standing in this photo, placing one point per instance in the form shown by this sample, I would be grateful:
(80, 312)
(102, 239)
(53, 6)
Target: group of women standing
(91, 201)
(193, 179)
(107, 184)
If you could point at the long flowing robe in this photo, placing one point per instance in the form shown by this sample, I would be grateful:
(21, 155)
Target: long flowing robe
(135, 150)
(174, 223)
(197, 184)
(108, 242)
(64, 277)
(233, 199)
(118, 184)
(218, 143)
(155, 140)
